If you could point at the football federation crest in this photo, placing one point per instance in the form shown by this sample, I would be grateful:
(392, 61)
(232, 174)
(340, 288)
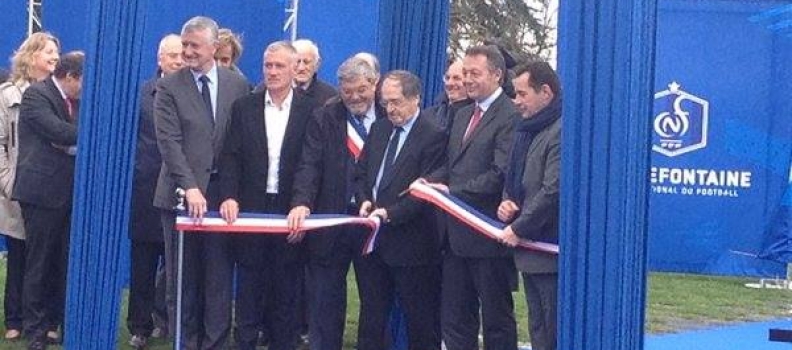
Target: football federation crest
(680, 122)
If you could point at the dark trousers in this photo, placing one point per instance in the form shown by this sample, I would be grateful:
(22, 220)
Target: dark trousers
(268, 263)
(192, 282)
(142, 287)
(418, 291)
(327, 301)
(15, 276)
(473, 284)
(47, 243)
(541, 294)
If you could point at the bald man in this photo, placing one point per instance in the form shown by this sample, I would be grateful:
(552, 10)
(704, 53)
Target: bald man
(145, 229)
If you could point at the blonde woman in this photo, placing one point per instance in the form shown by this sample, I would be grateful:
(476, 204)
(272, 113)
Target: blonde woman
(34, 61)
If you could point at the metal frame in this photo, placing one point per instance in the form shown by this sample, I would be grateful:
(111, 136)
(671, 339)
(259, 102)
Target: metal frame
(34, 16)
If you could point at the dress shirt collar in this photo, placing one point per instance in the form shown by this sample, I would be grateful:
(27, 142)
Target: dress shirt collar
(211, 74)
(286, 105)
(487, 102)
(60, 89)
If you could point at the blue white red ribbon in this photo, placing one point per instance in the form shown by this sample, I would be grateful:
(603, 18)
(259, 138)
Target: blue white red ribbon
(248, 223)
(470, 216)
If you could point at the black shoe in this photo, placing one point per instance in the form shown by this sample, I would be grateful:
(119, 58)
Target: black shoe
(138, 341)
(38, 344)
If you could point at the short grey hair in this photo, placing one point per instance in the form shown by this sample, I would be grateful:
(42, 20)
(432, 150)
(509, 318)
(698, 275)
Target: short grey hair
(356, 67)
(282, 45)
(372, 60)
(309, 46)
(165, 40)
(201, 23)
(410, 83)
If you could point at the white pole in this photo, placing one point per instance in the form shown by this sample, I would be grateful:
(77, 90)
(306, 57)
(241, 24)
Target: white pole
(295, 14)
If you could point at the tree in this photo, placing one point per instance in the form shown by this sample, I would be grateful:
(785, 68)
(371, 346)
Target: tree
(522, 27)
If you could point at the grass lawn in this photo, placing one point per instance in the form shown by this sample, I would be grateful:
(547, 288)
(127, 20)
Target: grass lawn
(675, 302)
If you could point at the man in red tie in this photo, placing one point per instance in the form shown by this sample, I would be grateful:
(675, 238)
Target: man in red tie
(45, 177)
(478, 272)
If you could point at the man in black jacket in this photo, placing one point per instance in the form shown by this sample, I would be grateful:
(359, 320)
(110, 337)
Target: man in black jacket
(45, 179)
(261, 152)
(145, 229)
(406, 259)
(334, 139)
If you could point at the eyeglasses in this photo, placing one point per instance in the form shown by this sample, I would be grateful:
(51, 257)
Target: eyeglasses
(397, 103)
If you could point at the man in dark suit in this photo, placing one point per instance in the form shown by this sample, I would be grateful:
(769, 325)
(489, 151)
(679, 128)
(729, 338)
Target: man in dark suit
(45, 178)
(261, 152)
(305, 77)
(406, 261)
(532, 180)
(191, 112)
(323, 184)
(454, 98)
(478, 271)
(145, 229)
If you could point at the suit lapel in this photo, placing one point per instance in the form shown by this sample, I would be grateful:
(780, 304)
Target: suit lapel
(194, 94)
(409, 147)
(488, 116)
(57, 99)
(223, 108)
(377, 155)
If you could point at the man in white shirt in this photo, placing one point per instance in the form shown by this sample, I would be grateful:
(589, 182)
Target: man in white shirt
(260, 154)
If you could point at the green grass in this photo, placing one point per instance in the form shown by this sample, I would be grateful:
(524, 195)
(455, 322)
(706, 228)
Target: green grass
(678, 302)
(675, 302)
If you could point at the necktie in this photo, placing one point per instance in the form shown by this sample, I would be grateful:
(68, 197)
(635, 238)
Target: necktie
(393, 146)
(70, 109)
(474, 121)
(361, 125)
(207, 98)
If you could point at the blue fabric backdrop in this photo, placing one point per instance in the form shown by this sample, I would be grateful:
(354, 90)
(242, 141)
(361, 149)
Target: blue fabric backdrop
(104, 168)
(14, 24)
(734, 56)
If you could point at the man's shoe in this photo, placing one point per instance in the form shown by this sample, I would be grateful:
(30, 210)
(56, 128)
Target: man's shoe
(37, 344)
(137, 341)
(53, 337)
(13, 334)
(158, 332)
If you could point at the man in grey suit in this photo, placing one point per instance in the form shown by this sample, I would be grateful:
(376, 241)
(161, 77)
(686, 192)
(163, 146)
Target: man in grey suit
(530, 201)
(191, 112)
(476, 270)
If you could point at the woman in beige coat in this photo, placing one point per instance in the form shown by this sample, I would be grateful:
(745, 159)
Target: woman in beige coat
(34, 61)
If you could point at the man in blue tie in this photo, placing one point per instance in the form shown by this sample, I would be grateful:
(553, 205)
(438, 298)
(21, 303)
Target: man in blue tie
(192, 109)
(405, 263)
(334, 138)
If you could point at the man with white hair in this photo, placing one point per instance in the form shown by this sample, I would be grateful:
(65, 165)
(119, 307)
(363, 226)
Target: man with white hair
(305, 77)
(145, 230)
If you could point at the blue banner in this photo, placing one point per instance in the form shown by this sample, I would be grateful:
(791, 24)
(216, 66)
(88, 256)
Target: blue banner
(722, 135)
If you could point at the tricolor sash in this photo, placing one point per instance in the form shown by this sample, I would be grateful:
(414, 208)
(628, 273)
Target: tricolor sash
(356, 137)
(248, 223)
(463, 212)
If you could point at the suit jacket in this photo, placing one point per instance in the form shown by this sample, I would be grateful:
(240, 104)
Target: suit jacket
(538, 217)
(245, 159)
(144, 217)
(443, 113)
(187, 140)
(320, 182)
(45, 174)
(319, 91)
(409, 237)
(475, 172)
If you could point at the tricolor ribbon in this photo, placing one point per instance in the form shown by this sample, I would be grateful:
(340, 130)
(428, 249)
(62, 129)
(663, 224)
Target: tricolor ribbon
(356, 135)
(248, 223)
(463, 212)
